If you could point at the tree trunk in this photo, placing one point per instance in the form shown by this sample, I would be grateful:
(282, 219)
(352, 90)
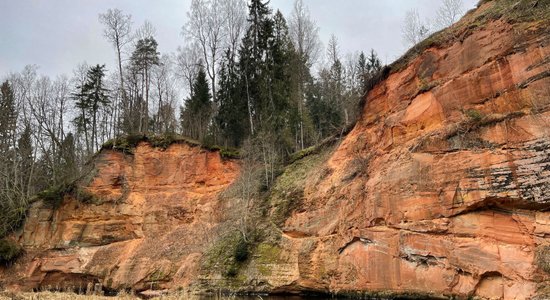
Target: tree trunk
(146, 109)
(249, 104)
(122, 89)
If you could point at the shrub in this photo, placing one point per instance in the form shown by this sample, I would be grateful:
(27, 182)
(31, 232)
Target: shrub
(53, 196)
(84, 196)
(128, 143)
(125, 144)
(133, 139)
(12, 214)
(232, 271)
(303, 153)
(9, 251)
(241, 250)
(229, 153)
(225, 152)
(474, 115)
(163, 141)
(425, 86)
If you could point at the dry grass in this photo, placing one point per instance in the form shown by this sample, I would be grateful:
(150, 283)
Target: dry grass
(59, 296)
(121, 296)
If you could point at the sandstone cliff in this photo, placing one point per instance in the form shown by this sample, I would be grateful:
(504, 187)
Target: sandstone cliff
(442, 188)
(153, 212)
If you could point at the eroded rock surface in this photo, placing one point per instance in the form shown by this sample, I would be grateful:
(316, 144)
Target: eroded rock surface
(453, 186)
(153, 215)
(442, 188)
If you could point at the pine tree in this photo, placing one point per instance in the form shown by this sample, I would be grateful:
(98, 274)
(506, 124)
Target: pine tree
(143, 58)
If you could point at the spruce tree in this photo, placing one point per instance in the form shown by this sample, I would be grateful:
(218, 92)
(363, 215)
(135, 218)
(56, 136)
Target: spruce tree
(198, 108)
(92, 96)
(231, 102)
(280, 53)
(367, 69)
(362, 71)
(253, 54)
(283, 114)
(8, 116)
(325, 113)
(8, 161)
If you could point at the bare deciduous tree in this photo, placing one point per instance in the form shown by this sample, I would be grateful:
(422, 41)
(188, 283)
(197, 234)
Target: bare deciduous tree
(414, 30)
(449, 12)
(206, 26)
(305, 36)
(333, 49)
(304, 33)
(235, 23)
(118, 32)
(164, 120)
(145, 31)
(188, 61)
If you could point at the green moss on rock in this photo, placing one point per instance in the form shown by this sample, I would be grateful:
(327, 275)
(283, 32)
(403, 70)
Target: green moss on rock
(288, 190)
(227, 254)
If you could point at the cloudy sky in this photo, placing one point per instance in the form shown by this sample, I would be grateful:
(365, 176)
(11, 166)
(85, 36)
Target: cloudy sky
(57, 35)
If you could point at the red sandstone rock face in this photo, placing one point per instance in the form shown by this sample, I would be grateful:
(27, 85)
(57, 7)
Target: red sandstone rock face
(155, 212)
(442, 188)
(452, 182)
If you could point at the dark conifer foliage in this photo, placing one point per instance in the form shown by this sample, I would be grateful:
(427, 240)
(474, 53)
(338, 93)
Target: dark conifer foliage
(144, 57)
(232, 116)
(8, 115)
(92, 96)
(196, 115)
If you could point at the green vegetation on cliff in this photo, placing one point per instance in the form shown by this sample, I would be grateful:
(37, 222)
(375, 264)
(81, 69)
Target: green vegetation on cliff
(9, 251)
(128, 143)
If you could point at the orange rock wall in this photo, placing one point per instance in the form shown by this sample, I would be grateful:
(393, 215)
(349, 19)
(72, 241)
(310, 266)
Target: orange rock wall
(442, 188)
(452, 182)
(156, 210)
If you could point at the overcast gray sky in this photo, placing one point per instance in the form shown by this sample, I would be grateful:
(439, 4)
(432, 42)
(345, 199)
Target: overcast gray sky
(57, 35)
